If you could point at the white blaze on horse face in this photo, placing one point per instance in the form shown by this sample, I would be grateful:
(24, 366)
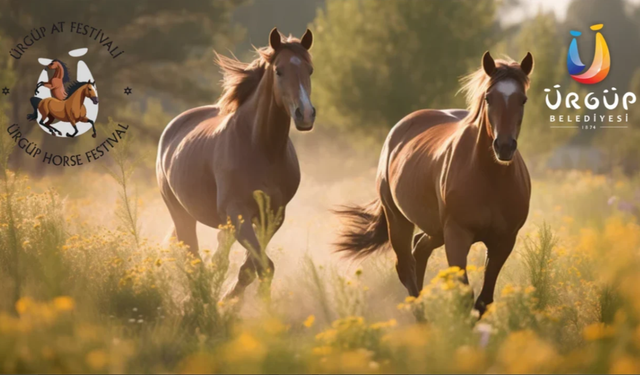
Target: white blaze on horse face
(305, 102)
(507, 88)
(295, 60)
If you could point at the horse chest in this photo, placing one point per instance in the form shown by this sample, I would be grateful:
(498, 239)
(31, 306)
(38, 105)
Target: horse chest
(489, 210)
(279, 180)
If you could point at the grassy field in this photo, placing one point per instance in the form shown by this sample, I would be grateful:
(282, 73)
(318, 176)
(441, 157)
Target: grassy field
(86, 285)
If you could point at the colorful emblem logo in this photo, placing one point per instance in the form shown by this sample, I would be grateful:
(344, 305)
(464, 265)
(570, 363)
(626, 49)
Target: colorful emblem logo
(600, 66)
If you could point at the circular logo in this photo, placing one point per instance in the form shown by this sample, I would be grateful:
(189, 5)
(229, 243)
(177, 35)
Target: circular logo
(63, 104)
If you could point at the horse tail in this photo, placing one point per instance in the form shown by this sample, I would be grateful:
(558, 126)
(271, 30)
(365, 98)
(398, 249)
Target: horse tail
(35, 101)
(366, 230)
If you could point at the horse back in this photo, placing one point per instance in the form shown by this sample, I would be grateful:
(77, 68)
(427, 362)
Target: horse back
(182, 128)
(423, 132)
(411, 160)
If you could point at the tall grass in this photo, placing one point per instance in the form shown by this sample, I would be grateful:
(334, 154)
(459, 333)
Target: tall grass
(537, 256)
(78, 296)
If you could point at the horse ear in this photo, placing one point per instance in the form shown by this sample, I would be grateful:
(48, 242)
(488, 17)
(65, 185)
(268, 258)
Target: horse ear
(488, 64)
(275, 40)
(527, 64)
(307, 40)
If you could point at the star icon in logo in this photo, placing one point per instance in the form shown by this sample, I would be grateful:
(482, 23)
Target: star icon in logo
(127, 90)
(5, 91)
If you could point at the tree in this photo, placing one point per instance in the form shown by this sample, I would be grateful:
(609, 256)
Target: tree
(377, 61)
(540, 36)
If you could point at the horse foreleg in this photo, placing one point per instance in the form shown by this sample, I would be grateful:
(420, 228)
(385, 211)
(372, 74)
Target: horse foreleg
(423, 246)
(497, 254)
(257, 260)
(93, 126)
(247, 273)
(246, 276)
(457, 243)
(36, 91)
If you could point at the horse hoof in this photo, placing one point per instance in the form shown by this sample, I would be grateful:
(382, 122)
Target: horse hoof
(69, 135)
(93, 135)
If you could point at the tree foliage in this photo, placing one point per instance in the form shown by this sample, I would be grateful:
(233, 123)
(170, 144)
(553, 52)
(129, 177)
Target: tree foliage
(540, 36)
(377, 61)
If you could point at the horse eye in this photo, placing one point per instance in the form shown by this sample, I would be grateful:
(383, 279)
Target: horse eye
(524, 101)
(278, 72)
(311, 71)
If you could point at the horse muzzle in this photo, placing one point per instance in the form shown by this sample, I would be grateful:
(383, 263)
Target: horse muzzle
(304, 119)
(505, 149)
(94, 100)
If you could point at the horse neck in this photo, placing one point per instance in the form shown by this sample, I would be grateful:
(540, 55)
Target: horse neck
(270, 131)
(58, 73)
(78, 96)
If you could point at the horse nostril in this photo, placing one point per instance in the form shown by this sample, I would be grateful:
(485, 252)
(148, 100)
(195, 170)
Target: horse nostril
(298, 113)
(514, 144)
(313, 113)
(496, 145)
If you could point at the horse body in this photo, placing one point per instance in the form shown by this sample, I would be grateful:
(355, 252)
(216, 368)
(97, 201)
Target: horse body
(455, 183)
(233, 167)
(457, 176)
(71, 109)
(56, 83)
(212, 159)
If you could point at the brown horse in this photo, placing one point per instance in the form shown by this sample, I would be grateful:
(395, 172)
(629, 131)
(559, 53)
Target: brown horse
(71, 109)
(56, 83)
(457, 176)
(211, 159)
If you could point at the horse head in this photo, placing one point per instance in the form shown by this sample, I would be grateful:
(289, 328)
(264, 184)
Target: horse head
(292, 69)
(90, 92)
(54, 65)
(505, 99)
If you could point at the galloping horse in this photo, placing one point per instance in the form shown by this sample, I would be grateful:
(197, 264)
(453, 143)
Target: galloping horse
(211, 159)
(457, 176)
(71, 109)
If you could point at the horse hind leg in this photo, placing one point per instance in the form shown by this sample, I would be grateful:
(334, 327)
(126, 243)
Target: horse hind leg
(400, 234)
(184, 224)
(423, 246)
(48, 125)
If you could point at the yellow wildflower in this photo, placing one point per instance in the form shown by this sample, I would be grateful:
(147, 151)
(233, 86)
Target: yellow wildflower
(309, 321)
(64, 303)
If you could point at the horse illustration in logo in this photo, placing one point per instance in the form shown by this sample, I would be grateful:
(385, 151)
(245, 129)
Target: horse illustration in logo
(600, 66)
(71, 109)
(56, 83)
(80, 113)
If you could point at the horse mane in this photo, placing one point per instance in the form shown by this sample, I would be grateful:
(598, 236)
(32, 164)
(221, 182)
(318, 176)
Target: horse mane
(74, 86)
(240, 80)
(476, 84)
(65, 71)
